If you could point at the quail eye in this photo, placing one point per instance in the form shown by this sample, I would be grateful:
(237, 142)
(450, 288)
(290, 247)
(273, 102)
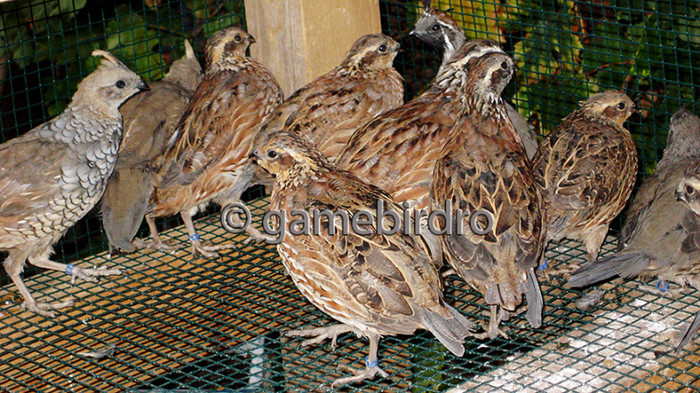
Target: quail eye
(689, 190)
(272, 154)
(237, 38)
(121, 84)
(504, 65)
(621, 106)
(435, 27)
(382, 48)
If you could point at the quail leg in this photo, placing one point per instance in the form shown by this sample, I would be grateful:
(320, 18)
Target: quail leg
(155, 243)
(197, 247)
(32, 305)
(75, 271)
(371, 366)
(322, 333)
(493, 330)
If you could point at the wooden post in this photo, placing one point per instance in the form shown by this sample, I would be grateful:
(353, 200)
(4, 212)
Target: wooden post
(299, 40)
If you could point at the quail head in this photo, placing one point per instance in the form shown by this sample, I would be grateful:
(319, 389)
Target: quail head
(484, 173)
(663, 234)
(328, 110)
(586, 169)
(53, 175)
(215, 135)
(397, 150)
(375, 284)
(439, 30)
(682, 148)
(149, 120)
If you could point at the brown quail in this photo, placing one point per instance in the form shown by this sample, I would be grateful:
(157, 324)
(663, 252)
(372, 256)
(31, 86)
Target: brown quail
(215, 135)
(53, 175)
(586, 169)
(439, 30)
(663, 233)
(374, 284)
(149, 120)
(484, 172)
(328, 110)
(397, 150)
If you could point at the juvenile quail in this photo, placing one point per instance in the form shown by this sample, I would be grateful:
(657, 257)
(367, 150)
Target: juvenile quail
(215, 135)
(586, 169)
(439, 30)
(374, 284)
(328, 110)
(663, 234)
(149, 120)
(397, 150)
(484, 172)
(682, 148)
(53, 175)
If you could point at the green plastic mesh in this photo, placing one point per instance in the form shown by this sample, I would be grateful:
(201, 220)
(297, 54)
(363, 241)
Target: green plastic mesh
(175, 323)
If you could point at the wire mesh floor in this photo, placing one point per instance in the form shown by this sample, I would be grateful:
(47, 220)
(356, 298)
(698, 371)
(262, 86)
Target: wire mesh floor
(174, 323)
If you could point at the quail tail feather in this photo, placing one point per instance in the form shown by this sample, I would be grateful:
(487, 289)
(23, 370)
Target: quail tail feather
(625, 264)
(122, 212)
(449, 331)
(534, 300)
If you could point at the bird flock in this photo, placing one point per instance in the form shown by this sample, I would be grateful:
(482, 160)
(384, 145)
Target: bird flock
(347, 142)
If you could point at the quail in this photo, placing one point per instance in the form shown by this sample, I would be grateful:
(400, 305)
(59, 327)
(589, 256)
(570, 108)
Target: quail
(682, 146)
(439, 30)
(663, 233)
(54, 174)
(149, 120)
(586, 168)
(215, 135)
(483, 172)
(375, 284)
(328, 110)
(397, 150)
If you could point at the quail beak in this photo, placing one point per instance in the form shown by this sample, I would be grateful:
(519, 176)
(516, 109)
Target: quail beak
(143, 87)
(251, 39)
(253, 155)
(412, 33)
(680, 197)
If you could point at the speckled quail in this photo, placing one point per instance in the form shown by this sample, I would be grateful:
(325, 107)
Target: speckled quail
(53, 175)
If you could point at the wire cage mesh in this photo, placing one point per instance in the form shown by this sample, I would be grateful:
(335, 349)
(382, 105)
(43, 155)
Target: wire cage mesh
(174, 323)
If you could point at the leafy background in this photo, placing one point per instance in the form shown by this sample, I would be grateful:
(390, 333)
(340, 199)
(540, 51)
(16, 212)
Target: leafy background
(564, 50)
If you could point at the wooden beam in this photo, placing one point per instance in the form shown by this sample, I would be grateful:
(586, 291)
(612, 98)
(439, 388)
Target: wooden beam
(300, 40)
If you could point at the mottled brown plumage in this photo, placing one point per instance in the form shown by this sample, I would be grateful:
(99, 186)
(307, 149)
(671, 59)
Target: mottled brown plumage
(586, 168)
(484, 170)
(215, 134)
(374, 284)
(328, 110)
(439, 30)
(397, 150)
(663, 232)
(53, 175)
(149, 121)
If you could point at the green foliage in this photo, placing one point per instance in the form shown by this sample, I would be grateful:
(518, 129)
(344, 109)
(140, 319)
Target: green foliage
(147, 39)
(567, 50)
(29, 30)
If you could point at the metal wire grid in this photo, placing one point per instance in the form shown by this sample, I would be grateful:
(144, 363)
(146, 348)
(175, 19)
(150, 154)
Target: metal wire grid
(213, 325)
